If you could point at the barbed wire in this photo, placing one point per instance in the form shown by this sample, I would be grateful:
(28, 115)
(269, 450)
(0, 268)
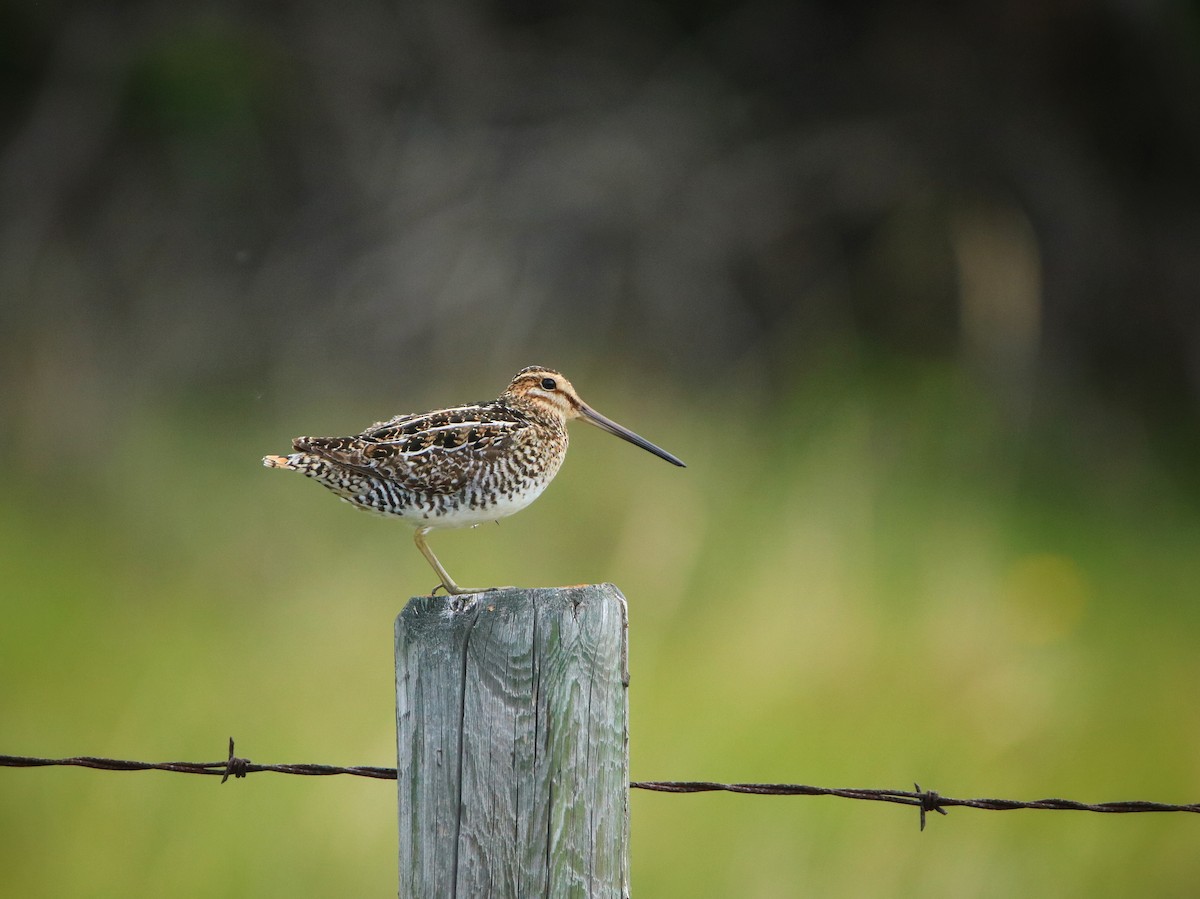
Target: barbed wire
(230, 767)
(924, 800)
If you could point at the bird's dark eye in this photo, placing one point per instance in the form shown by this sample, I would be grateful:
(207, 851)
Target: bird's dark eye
(549, 384)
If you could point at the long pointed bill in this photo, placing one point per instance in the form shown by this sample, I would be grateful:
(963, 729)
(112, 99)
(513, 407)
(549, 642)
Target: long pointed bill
(591, 416)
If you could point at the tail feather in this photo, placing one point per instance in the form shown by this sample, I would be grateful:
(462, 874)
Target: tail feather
(277, 462)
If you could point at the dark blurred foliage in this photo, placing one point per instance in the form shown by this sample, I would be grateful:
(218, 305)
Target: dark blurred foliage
(217, 194)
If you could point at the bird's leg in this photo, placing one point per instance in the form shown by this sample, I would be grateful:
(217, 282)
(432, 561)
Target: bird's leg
(447, 582)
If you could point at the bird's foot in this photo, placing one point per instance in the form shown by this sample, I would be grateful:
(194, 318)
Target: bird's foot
(455, 590)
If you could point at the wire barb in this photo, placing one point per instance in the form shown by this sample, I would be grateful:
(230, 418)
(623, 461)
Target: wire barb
(235, 766)
(931, 801)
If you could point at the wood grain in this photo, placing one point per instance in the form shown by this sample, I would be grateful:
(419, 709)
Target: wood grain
(511, 713)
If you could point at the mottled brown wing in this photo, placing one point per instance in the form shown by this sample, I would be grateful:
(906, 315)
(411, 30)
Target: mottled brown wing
(434, 453)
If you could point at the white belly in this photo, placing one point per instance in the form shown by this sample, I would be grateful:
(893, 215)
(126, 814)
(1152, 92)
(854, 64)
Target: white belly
(466, 517)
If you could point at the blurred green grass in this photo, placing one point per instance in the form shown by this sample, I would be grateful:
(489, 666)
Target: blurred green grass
(888, 578)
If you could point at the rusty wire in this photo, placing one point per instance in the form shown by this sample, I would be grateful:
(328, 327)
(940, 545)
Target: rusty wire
(924, 800)
(232, 766)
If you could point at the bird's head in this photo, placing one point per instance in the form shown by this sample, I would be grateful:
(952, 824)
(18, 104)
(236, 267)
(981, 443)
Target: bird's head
(552, 395)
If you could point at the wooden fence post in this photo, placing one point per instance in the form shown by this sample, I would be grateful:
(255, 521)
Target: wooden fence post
(512, 735)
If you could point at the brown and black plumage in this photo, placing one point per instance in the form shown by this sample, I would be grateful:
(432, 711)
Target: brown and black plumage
(456, 467)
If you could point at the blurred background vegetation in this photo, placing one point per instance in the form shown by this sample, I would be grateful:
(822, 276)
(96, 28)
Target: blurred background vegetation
(911, 287)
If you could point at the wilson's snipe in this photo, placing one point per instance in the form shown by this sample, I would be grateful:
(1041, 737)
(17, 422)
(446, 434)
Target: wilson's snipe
(456, 467)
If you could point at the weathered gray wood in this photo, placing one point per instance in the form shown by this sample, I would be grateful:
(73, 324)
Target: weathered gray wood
(513, 761)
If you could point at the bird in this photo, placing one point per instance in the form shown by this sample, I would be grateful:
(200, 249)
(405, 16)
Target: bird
(457, 467)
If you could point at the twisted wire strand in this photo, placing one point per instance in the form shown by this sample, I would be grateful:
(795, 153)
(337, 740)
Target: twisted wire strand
(924, 800)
